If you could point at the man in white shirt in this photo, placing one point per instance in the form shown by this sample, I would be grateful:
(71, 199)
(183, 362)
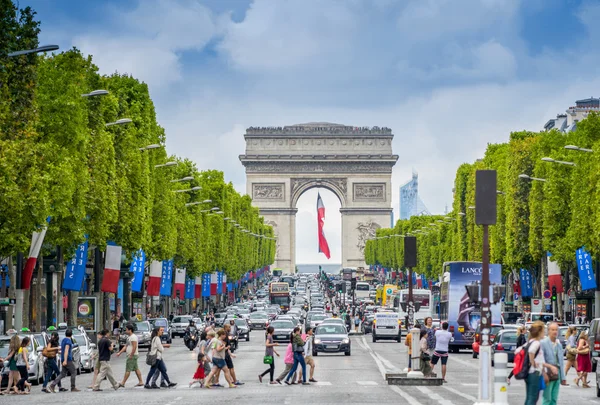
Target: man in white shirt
(442, 340)
(131, 364)
(308, 348)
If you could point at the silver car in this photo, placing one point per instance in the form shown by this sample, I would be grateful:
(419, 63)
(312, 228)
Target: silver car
(179, 323)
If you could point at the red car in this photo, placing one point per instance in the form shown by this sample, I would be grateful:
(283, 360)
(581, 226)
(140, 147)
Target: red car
(493, 332)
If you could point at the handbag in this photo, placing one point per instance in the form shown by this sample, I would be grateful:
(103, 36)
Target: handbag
(151, 358)
(268, 360)
(585, 350)
(552, 376)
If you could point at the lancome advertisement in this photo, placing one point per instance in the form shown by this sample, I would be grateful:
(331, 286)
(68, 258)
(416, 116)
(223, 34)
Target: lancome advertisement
(463, 316)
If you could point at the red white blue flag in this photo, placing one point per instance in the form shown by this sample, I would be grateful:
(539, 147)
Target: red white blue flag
(323, 246)
(153, 287)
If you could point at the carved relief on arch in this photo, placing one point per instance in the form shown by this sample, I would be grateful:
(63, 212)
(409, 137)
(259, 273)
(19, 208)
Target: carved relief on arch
(338, 185)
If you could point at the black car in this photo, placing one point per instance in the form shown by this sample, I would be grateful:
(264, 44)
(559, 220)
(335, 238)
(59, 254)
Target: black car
(505, 342)
(367, 324)
(283, 330)
(243, 329)
(331, 338)
(167, 336)
(220, 318)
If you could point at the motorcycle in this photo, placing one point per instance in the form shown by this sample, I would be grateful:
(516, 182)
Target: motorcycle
(190, 339)
(233, 342)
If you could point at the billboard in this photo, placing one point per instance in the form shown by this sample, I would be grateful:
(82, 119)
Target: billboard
(463, 316)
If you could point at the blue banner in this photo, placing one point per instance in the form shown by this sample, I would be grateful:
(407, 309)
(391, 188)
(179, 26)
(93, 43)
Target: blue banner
(586, 270)
(75, 272)
(229, 286)
(137, 268)
(190, 288)
(206, 284)
(167, 278)
(414, 279)
(424, 280)
(5, 270)
(526, 283)
(219, 282)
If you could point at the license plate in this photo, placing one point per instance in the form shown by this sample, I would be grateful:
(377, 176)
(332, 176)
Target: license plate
(282, 337)
(511, 348)
(331, 346)
(461, 329)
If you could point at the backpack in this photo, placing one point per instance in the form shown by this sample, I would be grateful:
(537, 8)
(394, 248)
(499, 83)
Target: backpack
(522, 362)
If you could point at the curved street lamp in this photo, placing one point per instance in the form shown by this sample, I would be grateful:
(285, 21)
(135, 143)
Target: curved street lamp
(40, 49)
(527, 177)
(188, 190)
(577, 148)
(153, 146)
(96, 93)
(168, 164)
(187, 178)
(122, 121)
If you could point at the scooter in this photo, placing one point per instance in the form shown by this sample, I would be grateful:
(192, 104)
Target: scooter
(233, 342)
(190, 339)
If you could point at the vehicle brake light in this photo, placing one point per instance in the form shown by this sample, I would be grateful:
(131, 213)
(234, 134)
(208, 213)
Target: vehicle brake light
(477, 337)
(596, 345)
(499, 347)
(452, 329)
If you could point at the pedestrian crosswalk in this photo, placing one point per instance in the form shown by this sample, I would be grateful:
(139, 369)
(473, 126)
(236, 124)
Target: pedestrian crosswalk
(317, 384)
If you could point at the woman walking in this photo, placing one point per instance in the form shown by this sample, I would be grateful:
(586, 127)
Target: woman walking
(298, 349)
(23, 366)
(425, 358)
(269, 350)
(571, 349)
(219, 349)
(13, 376)
(52, 367)
(584, 364)
(538, 363)
(156, 348)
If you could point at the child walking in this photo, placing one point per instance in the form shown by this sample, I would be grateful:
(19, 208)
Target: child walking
(199, 375)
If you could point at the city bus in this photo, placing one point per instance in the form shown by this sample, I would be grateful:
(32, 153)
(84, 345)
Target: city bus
(279, 294)
(288, 279)
(420, 296)
(463, 317)
(276, 273)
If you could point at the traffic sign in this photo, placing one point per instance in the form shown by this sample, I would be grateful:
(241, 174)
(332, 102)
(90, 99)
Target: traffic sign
(571, 293)
(516, 296)
(547, 294)
(389, 291)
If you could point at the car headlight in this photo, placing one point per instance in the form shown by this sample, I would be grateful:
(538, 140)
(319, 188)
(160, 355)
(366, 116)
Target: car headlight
(317, 341)
(147, 335)
(346, 340)
(31, 361)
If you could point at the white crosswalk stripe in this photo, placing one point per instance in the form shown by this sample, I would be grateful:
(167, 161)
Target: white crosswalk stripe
(367, 383)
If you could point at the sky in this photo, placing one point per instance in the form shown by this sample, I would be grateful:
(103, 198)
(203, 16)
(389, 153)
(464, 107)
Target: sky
(448, 76)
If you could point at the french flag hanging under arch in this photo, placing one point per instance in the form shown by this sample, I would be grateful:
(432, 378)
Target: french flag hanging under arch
(323, 246)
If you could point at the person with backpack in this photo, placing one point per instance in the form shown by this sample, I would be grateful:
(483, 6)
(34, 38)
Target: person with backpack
(530, 364)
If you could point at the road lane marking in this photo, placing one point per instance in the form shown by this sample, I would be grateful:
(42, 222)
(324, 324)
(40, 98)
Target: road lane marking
(457, 392)
(367, 383)
(178, 398)
(466, 363)
(434, 396)
(322, 383)
(470, 384)
(411, 400)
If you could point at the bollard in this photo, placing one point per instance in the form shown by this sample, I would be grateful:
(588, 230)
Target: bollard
(500, 379)
(416, 351)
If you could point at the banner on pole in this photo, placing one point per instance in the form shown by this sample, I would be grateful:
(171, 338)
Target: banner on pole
(75, 273)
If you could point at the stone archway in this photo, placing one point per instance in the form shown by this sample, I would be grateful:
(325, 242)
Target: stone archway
(354, 163)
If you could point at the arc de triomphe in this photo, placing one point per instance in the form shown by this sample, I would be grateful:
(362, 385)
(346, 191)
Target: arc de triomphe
(354, 163)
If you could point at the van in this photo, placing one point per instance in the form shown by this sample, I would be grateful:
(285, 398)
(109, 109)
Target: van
(387, 325)
(594, 342)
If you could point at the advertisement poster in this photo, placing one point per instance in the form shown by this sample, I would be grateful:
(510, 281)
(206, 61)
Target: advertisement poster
(86, 313)
(463, 316)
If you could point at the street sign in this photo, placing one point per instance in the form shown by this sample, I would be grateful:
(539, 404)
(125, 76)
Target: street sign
(547, 301)
(516, 296)
(389, 291)
(547, 294)
(4, 302)
(571, 293)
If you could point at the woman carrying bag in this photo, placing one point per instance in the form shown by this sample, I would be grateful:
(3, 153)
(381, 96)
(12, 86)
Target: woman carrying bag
(154, 358)
(584, 364)
(425, 357)
(268, 359)
(298, 349)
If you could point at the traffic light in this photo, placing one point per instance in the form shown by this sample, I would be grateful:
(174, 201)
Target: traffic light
(353, 284)
(553, 293)
(344, 286)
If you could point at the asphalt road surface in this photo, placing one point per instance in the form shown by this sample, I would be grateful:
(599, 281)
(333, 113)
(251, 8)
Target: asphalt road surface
(357, 379)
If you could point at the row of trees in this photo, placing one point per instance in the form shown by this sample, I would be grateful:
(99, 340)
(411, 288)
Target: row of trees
(58, 159)
(558, 215)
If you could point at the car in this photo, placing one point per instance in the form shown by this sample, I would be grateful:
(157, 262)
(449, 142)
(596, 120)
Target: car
(505, 341)
(36, 360)
(243, 313)
(243, 329)
(334, 321)
(594, 342)
(179, 323)
(283, 330)
(142, 330)
(495, 328)
(331, 338)
(167, 336)
(386, 325)
(258, 320)
(288, 317)
(367, 324)
(220, 318)
(316, 320)
(86, 348)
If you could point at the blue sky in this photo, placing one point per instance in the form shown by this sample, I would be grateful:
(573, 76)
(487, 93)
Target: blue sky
(447, 76)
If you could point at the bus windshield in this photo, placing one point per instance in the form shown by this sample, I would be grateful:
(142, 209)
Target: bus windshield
(362, 287)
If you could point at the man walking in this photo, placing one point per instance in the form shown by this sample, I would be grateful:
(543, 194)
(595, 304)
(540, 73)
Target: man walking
(66, 348)
(442, 341)
(228, 357)
(308, 349)
(131, 348)
(104, 352)
(553, 354)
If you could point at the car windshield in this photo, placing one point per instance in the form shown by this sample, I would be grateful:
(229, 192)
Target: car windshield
(283, 325)
(182, 319)
(563, 332)
(220, 315)
(258, 315)
(495, 329)
(542, 317)
(244, 311)
(317, 317)
(159, 322)
(142, 326)
(4, 345)
(240, 322)
(330, 329)
(508, 337)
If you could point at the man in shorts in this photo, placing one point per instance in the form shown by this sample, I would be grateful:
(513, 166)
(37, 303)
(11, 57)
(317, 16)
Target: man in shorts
(442, 341)
(131, 348)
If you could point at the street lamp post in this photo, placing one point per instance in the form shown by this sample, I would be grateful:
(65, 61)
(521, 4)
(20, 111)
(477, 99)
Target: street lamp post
(121, 121)
(168, 164)
(95, 93)
(40, 49)
(527, 177)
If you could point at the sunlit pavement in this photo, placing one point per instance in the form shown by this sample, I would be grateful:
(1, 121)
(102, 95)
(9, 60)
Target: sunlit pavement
(357, 379)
